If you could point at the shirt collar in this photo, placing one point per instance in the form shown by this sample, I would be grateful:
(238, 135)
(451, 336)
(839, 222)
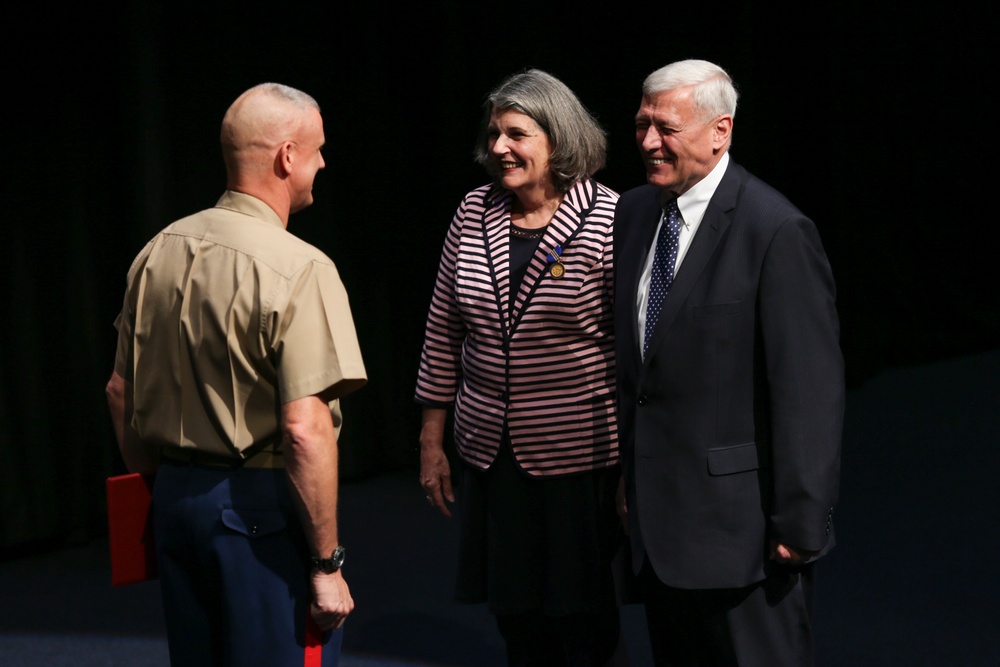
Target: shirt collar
(694, 202)
(249, 205)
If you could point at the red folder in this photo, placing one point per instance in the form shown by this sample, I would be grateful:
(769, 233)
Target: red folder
(130, 529)
(314, 643)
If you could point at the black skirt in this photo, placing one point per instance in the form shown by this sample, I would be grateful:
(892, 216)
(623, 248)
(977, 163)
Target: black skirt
(536, 543)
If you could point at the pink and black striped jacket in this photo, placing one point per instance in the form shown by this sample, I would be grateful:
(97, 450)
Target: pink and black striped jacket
(541, 360)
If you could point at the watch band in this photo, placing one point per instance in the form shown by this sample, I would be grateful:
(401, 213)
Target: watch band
(331, 564)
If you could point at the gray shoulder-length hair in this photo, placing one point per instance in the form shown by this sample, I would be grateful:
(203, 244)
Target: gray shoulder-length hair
(578, 143)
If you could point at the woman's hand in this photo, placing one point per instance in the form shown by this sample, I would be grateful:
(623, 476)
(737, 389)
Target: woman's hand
(435, 471)
(620, 505)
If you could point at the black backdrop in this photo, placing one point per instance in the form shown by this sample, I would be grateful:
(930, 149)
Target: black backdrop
(875, 123)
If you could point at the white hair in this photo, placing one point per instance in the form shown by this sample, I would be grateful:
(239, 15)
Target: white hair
(714, 93)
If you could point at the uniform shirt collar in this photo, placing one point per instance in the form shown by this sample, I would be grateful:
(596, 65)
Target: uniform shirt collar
(248, 205)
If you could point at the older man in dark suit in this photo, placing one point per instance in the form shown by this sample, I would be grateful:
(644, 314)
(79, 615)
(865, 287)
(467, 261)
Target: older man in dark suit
(731, 389)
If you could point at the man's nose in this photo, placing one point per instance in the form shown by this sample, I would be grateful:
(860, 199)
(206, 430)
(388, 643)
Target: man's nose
(651, 139)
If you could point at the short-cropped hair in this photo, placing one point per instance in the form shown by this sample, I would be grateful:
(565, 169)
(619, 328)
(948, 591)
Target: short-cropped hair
(293, 96)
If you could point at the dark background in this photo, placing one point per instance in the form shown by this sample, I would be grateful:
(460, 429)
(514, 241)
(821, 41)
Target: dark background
(876, 123)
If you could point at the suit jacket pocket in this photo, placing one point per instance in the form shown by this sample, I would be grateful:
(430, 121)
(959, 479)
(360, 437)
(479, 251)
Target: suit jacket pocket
(254, 523)
(731, 460)
(718, 309)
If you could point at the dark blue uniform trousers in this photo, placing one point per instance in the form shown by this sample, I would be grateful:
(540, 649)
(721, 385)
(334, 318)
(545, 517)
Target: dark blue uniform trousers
(233, 568)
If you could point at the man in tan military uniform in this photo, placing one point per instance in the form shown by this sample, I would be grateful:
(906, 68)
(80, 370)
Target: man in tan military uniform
(235, 343)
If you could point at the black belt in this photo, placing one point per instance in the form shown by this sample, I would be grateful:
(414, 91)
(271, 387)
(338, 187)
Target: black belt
(265, 459)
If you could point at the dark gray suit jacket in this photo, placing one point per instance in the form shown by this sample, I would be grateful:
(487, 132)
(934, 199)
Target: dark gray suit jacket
(730, 430)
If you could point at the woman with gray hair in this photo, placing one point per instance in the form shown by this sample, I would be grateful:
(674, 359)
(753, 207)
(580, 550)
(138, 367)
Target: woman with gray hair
(519, 344)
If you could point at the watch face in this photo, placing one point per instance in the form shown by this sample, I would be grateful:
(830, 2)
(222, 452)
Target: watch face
(331, 564)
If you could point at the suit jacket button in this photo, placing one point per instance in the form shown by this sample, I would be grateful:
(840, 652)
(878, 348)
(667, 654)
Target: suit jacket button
(642, 400)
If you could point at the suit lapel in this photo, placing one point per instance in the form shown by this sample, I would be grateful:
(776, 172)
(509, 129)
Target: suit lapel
(645, 220)
(710, 232)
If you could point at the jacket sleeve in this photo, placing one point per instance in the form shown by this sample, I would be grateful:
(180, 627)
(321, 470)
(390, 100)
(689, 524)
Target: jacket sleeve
(441, 359)
(805, 373)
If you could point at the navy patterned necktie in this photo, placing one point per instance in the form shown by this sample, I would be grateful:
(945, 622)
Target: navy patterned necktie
(663, 268)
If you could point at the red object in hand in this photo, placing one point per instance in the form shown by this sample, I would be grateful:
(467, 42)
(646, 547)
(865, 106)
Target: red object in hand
(130, 528)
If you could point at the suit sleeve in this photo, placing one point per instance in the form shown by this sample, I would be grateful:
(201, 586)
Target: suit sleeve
(800, 332)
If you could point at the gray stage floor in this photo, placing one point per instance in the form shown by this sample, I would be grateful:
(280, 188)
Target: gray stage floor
(912, 581)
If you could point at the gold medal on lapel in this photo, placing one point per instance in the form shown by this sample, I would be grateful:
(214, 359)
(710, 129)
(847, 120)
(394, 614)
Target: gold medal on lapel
(556, 268)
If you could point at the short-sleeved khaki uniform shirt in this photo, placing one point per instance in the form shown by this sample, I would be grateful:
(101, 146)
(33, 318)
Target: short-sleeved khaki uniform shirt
(226, 317)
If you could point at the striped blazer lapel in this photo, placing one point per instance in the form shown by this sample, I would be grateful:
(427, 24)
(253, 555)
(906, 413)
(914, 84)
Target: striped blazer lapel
(565, 224)
(496, 237)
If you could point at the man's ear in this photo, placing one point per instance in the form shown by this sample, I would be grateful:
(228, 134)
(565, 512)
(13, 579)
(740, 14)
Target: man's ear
(722, 131)
(284, 160)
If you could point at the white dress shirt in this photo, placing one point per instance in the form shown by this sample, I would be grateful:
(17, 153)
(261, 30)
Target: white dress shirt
(692, 205)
